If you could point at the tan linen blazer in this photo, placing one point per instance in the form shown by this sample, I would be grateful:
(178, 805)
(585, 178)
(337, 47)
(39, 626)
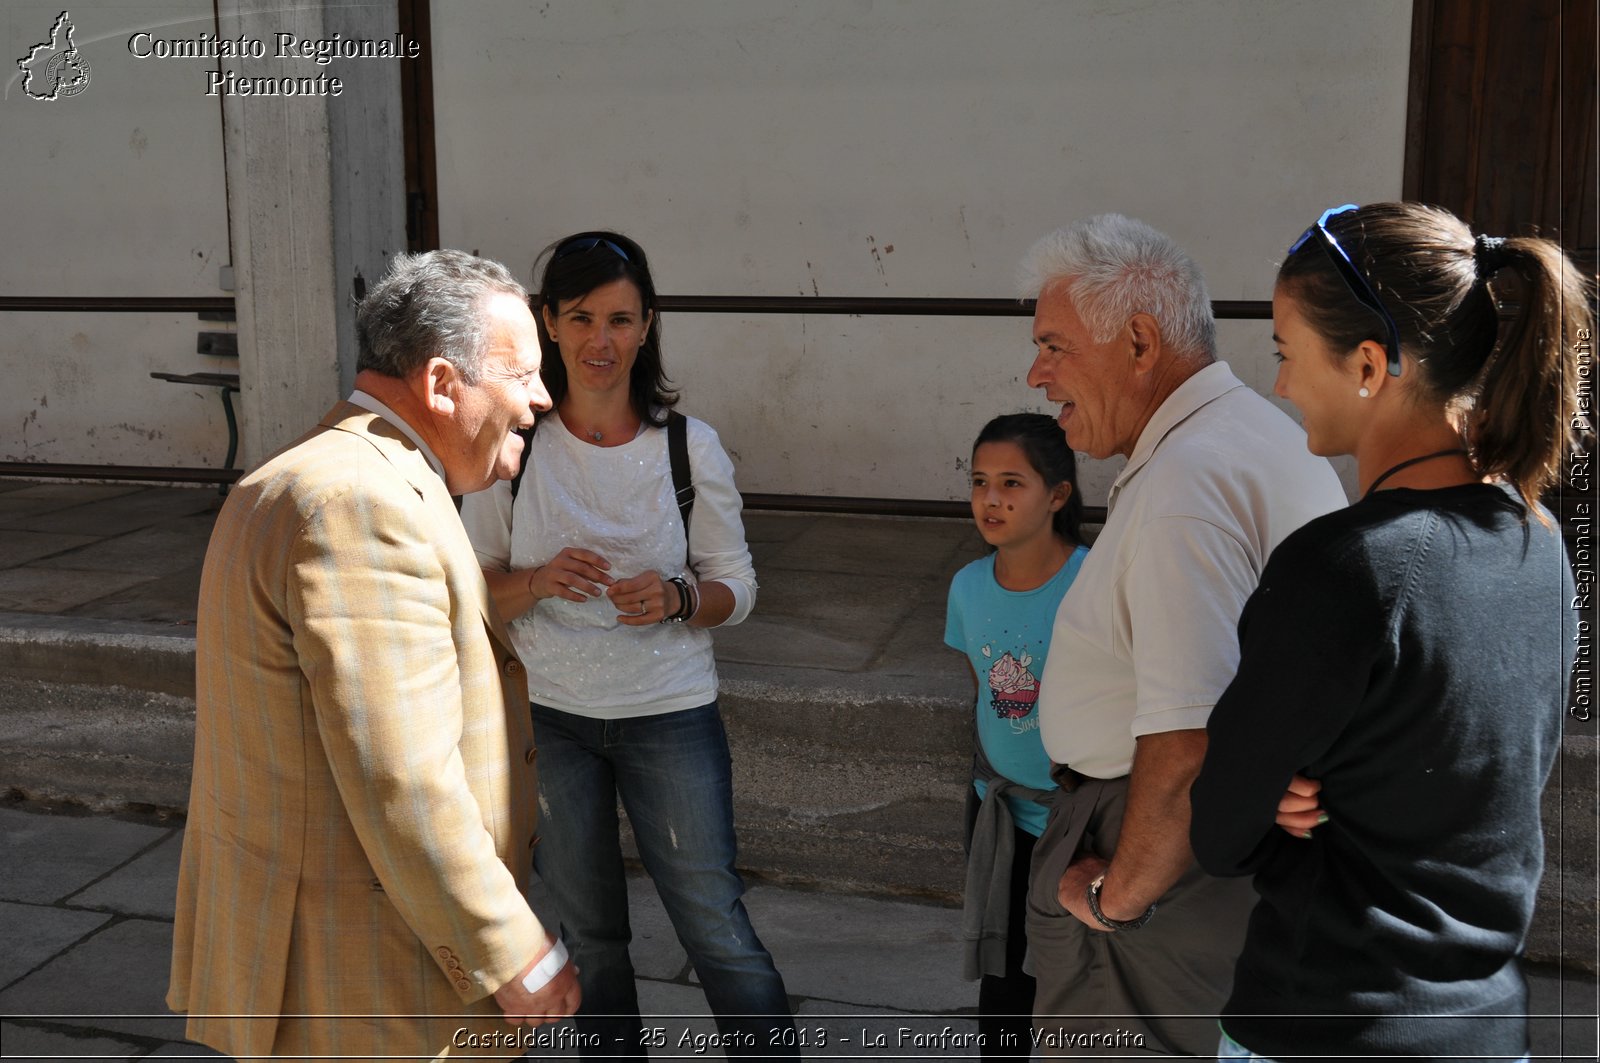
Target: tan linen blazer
(362, 810)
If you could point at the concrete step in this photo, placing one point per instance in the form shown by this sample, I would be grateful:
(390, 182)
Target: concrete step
(815, 803)
(136, 655)
(105, 747)
(820, 798)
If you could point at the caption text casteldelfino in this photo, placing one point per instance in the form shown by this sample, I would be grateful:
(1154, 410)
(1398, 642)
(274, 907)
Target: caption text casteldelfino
(319, 50)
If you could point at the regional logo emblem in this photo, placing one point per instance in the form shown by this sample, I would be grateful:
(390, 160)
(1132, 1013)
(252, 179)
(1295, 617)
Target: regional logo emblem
(55, 69)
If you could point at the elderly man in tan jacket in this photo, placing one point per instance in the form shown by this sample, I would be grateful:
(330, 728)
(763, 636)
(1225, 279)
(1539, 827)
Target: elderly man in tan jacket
(362, 813)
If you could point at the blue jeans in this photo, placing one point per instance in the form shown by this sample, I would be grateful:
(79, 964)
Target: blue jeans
(675, 777)
(1228, 1048)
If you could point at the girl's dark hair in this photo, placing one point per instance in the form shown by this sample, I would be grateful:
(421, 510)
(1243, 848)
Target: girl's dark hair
(575, 266)
(1045, 446)
(1433, 278)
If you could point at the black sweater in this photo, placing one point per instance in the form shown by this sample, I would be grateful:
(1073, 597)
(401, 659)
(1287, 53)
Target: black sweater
(1409, 653)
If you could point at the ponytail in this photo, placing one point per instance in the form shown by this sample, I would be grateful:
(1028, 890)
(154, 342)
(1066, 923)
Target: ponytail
(1526, 417)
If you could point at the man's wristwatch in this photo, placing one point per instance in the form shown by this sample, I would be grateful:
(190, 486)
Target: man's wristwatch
(1093, 895)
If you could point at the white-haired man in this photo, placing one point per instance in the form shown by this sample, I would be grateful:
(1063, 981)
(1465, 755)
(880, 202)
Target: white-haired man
(1128, 936)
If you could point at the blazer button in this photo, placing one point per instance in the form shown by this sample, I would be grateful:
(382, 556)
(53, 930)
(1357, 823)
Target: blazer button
(531, 755)
(513, 668)
(463, 985)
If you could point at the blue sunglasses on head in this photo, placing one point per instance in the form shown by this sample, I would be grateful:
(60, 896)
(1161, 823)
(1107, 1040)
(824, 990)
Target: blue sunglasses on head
(1358, 285)
(578, 245)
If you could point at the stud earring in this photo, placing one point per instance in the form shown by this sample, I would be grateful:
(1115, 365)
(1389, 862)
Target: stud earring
(1364, 393)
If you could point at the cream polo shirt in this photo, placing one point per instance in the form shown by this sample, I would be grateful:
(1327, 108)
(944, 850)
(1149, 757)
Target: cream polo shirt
(1145, 640)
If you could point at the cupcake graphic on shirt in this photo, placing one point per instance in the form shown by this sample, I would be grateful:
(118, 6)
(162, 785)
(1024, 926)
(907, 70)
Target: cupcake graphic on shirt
(1012, 688)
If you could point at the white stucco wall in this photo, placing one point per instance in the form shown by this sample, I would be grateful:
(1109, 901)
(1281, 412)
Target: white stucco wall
(773, 147)
(777, 147)
(116, 191)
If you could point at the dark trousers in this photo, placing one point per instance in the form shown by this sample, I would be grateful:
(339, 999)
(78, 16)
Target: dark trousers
(1005, 1002)
(1163, 984)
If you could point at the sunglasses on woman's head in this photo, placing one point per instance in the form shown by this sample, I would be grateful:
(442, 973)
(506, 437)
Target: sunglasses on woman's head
(578, 245)
(1358, 285)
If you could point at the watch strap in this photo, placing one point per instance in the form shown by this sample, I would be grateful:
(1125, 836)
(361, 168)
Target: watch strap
(1092, 894)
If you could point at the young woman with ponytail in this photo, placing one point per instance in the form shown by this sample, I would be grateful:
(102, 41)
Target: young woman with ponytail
(1404, 662)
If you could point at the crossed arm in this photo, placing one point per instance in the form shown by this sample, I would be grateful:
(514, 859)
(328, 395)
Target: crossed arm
(1154, 848)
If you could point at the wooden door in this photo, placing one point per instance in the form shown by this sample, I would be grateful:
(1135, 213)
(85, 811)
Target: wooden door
(1501, 126)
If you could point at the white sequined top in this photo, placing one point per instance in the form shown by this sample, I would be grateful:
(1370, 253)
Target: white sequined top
(617, 502)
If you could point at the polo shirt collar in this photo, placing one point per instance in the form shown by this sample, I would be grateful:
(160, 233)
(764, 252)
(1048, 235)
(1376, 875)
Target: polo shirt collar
(1206, 386)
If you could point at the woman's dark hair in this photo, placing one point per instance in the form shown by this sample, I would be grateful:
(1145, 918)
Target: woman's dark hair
(1433, 277)
(1045, 446)
(574, 267)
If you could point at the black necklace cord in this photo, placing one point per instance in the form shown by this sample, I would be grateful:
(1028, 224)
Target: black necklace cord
(1391, 470)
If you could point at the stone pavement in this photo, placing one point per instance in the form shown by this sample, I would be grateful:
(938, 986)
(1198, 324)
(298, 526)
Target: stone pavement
(86, 909)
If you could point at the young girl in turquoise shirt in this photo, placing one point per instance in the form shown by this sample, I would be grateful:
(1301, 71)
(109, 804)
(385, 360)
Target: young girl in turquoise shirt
(1001, 612)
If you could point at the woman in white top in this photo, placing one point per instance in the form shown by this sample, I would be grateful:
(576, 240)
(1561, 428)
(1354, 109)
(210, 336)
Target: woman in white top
(610, 599)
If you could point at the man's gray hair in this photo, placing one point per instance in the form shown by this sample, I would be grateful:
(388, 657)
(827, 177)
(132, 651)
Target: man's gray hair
(427, 305)
(1116, 267)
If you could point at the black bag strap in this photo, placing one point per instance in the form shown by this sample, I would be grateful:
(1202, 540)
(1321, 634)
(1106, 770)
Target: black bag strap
(677, 455)
(527, 451)
(682, 480)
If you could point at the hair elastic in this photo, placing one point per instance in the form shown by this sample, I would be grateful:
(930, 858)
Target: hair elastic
(1490, 253)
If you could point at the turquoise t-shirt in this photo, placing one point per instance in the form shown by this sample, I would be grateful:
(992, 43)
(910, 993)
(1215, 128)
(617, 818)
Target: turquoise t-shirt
(1006, 635)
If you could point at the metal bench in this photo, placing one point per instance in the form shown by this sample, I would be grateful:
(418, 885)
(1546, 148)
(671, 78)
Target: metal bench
(228, 384)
